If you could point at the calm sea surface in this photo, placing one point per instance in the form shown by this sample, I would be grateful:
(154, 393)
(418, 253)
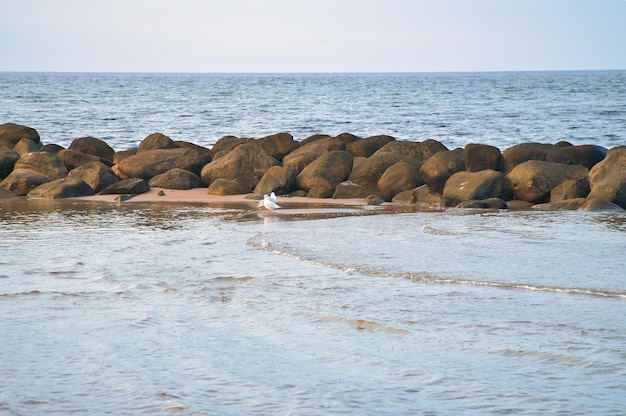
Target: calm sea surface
(188, 309)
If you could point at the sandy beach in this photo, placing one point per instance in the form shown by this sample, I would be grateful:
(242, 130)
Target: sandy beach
(243, 201)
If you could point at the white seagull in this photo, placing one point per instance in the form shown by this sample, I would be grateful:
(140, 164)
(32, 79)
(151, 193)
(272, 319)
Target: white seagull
(269, 202)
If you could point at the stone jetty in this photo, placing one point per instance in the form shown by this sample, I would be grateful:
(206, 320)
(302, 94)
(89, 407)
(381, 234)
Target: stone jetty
(377, 169)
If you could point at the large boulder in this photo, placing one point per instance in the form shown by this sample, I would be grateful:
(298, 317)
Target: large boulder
(156, 141)
(610, 189)
(369, 171)
(327, 172)
(7, 162)
(278, 145)
(62, 188)
(368, 146)
(533, 180)
(246, 163)
(570, 189)
(227, 143)
(22, 181)
(347, 190)
(123, 154)
(467, 186)
(313, 138)
(523, 152)
(26, 146)
(176, 179)
(302, 156)
(587, 155)
(15, 132)
(147, 164)
(422, 196)
(227, 187)
(277, 179)
(51, 148)
(94, 147)
(205, 152)
(347, 138)
(73, 159)
(43, 162)
(95, 174)
(417, 152)
(439, 167)
(613, 164)
(328, 143)
(134, 186)
(399, 177)
(479, 157)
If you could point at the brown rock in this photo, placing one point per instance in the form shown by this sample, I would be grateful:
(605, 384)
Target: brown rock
(439, 167)
(246, 163)
(51, 148)
(26, 146)
(369, 171)
(302, 156)
(561, 205)
(323, 190)
(96, 174)
(586, 155)
(479, 157)
(15, 132)
(147, 164)
(368, 146)
(347, 138)
(176, 179)
(6, 145)
(610, 189)
(228, 143)
(61, 188)
(205, 152)
(418, 152)
(313, 138)
(401, 176)
(570, 189)
(489, 203)
(523, 152)
(156, 141)
(123, 154)
(327, 171)
(94, 147)
(597, 206)
(43, 162)
(227, 187)
(347, 190)
(277, 179)
(278, 145)
(422, 196)
(133, 186)
(533, 180)
(73, 159)
(22, 181)
(7, 162)
(613, 164)
(466, 186)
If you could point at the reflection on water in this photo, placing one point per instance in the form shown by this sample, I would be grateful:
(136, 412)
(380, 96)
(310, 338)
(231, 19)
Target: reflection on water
(194, 309)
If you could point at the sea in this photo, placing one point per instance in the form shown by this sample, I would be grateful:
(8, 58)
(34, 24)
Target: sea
(199, 309)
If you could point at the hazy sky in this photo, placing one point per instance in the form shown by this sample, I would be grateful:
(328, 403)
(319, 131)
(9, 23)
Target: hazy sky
(311, 35)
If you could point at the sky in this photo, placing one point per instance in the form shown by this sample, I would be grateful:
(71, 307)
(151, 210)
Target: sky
(311, 35)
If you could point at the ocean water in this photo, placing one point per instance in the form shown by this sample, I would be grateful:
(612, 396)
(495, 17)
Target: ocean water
(193, 309)
(500, 108)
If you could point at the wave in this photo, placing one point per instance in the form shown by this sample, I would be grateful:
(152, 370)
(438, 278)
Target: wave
(259, 243)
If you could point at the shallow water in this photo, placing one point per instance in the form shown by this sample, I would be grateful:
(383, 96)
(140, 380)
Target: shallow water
(190, 309)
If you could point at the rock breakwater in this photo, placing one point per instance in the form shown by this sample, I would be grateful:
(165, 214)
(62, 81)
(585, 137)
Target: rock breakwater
(422, 174)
